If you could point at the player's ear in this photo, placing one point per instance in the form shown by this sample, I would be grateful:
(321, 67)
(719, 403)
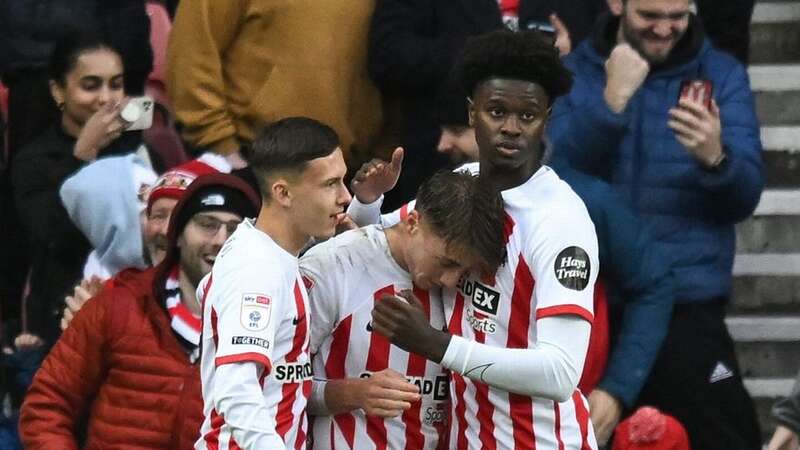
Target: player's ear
(412, 222)
(280, 192)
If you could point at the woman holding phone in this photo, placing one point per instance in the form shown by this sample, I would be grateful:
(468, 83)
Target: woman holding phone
(87, 85)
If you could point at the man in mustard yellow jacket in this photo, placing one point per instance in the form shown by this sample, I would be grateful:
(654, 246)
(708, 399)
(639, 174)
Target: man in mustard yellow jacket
(236, 65)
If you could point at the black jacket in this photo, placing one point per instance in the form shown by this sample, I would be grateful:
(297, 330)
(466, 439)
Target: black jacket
(56, 247)
(412, 47)
(29, 30)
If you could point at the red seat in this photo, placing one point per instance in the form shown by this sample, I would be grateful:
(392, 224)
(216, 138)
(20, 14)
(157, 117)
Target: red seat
(160, 28)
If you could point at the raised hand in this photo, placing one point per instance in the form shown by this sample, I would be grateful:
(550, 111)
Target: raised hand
(626, 70)
(101, 129)
(377, 177)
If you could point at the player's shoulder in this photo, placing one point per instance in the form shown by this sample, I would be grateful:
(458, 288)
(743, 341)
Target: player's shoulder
(545, 197)
(250, 251)
(349, 250)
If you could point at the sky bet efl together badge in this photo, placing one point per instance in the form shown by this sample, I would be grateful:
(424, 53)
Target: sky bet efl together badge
(256, 309)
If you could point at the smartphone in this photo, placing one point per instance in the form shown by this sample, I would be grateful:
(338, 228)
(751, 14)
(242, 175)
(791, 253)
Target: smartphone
(697, 90)
(138, 113)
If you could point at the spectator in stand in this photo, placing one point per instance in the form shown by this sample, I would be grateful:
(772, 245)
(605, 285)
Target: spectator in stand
(87, 83)
(161, 200)
(412, 48)
(29, 31)
(235, 66)
(129, 358)
(690, 167)
(787, 412)
(106, 201)
(727, 23)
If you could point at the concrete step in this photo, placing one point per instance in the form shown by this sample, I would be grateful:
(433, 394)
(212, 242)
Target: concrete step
(774, 32)
(766, 346)
(778, 107)
(781, 155)
(765, 392)
(774, 77)
(774, 226)
(765, 294)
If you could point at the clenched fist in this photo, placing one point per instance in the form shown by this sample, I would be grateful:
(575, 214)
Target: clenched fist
(626, 70)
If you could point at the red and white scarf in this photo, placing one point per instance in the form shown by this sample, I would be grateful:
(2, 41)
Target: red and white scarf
(185, 324)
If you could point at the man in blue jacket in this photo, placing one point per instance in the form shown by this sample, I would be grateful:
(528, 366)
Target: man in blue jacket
(691, 169)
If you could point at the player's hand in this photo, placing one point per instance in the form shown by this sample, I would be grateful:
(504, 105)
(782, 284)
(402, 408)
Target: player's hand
(80, 295)
(403, 321)
(784, 439)
(102, 128)
(387, 394)
(605, 411)
(626, 70)
(563, 42)
(698, 129)
(377, 177)
(345, 223)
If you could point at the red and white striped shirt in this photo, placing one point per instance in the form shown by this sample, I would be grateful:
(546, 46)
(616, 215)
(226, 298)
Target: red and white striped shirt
(345, 276)
(255, 309)
(551, 270)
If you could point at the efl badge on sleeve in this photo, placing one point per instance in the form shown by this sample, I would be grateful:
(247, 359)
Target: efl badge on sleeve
(256, 309)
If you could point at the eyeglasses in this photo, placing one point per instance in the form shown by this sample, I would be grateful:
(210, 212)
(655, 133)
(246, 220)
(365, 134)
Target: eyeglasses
(210, 225)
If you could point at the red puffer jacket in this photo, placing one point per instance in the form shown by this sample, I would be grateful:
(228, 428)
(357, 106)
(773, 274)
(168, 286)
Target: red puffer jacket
(120, 362)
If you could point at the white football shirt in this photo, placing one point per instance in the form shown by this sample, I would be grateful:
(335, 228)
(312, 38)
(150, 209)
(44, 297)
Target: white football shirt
(345, 276)
(255, 309)
(551, 269)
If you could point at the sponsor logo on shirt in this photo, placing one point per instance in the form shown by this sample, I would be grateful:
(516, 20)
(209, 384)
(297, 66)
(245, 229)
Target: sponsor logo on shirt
(480, 323)
(308, 282)
(255, 311)
(572, 268)
(437, 387)
(484, 299)
(293, 372)
(249, 340)
(435, 415)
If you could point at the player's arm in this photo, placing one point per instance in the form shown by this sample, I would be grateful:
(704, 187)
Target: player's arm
(251, 305)
(549, 369)
(563, 260)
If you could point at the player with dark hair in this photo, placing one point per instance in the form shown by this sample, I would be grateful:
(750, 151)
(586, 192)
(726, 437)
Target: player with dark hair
(516, 341)
(256, 368)
(368, 393)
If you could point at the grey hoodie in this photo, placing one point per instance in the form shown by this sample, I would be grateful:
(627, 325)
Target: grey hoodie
(105, 200)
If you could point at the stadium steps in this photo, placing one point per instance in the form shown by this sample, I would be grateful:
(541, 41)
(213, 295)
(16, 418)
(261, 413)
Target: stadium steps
(764, 315)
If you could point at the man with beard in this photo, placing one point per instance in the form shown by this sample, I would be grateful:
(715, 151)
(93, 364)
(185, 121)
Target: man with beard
(670, 122)
(129, 358)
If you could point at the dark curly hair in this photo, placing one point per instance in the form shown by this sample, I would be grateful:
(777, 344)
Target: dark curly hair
(523, 55)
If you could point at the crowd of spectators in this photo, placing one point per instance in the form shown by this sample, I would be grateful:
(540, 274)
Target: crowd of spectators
(105, 233)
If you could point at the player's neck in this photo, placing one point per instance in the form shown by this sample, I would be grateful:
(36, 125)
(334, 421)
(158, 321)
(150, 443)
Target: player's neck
(502, 179)
(395, 238)
(276, 224)
(188, 295)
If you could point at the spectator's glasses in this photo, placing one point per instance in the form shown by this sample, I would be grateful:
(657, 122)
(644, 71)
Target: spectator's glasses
(210, 225)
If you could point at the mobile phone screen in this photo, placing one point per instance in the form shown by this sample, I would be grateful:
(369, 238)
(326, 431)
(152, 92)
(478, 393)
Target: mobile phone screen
(697, 90)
